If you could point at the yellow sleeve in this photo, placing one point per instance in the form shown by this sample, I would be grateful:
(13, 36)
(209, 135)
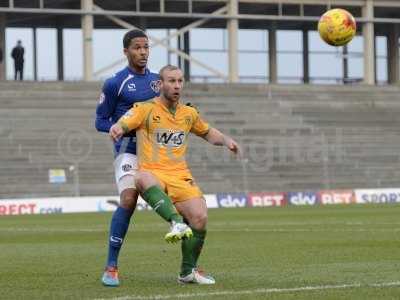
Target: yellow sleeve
(199, 126)
(133, 118)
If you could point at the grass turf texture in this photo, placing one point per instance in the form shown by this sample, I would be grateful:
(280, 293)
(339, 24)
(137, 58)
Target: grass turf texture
(62, 256)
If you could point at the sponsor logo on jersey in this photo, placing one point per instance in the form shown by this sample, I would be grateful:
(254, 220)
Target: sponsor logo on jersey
(170, 138)
(126, 167)
(156, 119)
(155, 86)
(131, 87)
(102, 98)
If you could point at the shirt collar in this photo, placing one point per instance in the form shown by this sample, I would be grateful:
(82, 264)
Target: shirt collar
(133, 72)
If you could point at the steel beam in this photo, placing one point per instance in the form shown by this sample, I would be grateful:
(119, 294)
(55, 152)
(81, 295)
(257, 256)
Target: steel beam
(272, 55)
(87, 35)
(3, 46)
(233, 31)
(393, 55)
(369, 44)
(182, 54)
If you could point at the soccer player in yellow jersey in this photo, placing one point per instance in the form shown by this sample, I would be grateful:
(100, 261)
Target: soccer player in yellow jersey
(162, 126)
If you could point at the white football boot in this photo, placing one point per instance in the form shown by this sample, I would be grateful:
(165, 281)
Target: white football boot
(197, 276)
(178, 231)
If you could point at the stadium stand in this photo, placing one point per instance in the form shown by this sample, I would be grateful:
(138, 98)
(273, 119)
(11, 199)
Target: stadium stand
(295, 138)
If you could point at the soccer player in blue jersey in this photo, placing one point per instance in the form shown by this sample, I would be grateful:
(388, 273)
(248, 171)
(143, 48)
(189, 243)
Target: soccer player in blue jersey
(134, 83)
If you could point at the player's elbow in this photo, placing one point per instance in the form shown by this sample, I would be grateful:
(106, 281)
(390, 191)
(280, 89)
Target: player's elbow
(101, 125)
(97, 124)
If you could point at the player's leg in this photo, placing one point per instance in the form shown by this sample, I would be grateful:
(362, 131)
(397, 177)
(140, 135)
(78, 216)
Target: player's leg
(151, 191)
(195, 213)
(120, 222)
(125, 168)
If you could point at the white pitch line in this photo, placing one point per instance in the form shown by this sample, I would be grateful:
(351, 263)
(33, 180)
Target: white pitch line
(257, 291)
(53, 230)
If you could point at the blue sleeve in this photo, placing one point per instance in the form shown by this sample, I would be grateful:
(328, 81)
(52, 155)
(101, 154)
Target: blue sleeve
(106, 106)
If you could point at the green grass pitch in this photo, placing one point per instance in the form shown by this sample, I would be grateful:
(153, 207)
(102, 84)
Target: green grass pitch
(322, 252)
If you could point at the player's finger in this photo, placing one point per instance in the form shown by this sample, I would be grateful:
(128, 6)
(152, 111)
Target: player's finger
(113, 135)
(238, 151)
(233, 147)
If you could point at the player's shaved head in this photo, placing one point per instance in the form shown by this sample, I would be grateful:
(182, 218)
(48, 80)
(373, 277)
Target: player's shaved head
(132, 34)
(167, 68)
(171, 83)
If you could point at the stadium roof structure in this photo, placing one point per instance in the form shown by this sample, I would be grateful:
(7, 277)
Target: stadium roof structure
(376, 18)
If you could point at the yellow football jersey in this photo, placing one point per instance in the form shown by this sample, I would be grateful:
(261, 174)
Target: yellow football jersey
(162, 134)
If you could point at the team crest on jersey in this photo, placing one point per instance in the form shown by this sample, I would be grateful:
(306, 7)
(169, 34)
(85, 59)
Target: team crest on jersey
(155, 86)
(102, 98)
(188, 120)
(169, 138)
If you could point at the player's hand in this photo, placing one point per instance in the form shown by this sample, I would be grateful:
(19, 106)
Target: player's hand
(116, 132)
(233, 146)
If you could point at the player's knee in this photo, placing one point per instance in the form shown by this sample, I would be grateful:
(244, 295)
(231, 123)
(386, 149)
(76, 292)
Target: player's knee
(128, 199)
(144, 180)
(199, 221)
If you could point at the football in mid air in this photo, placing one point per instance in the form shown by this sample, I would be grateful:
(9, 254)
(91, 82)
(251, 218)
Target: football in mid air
(337, 27)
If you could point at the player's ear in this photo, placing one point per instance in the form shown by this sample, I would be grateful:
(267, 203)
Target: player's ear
(126, 52)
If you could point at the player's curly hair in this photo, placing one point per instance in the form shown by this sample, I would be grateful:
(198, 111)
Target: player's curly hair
(130, 35)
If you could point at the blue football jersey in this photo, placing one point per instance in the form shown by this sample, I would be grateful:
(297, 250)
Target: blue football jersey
(118, 95)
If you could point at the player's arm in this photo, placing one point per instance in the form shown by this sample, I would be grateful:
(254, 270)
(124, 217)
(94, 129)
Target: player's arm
(132, 119)
(106, 106)
(212, 135)
(217, 138)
